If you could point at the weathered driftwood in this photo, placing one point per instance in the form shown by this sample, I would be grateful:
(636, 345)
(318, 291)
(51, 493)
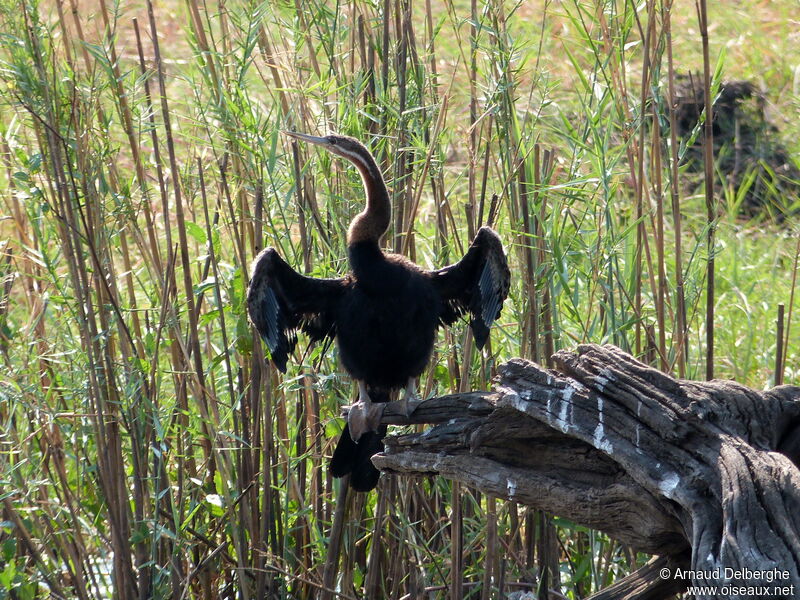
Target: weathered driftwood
(703, 474)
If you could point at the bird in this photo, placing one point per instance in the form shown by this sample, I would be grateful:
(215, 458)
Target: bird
(383, 314)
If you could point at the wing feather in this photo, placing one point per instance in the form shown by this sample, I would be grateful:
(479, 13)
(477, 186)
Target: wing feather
(280, 301)
(477, 284)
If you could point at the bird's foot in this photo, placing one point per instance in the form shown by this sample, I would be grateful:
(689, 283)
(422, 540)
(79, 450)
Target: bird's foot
(364, 415)
(411, 400)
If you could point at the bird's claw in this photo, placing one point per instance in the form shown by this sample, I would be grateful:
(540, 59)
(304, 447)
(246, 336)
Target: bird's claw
(411, 400)
(363, 417)
(410, 404)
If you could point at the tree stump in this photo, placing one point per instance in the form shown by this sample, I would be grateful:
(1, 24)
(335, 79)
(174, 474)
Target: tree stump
(702, 474)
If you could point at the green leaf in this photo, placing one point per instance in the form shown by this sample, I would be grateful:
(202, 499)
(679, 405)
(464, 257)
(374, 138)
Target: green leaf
(197, 232)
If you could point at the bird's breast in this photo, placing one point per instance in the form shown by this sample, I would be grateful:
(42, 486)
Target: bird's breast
(386, 329)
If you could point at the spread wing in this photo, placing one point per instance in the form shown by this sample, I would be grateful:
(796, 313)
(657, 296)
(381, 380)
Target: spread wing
(280, 301)
(477, 284)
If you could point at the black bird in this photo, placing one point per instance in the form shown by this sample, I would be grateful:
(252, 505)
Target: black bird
(383, 315)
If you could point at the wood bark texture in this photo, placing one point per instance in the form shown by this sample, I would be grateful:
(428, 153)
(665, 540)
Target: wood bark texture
(703, 474)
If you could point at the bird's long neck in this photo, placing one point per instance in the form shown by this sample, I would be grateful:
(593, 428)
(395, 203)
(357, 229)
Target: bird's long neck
(372, 222)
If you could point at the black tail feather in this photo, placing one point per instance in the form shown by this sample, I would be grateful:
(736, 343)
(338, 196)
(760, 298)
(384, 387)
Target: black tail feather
(355, 458)
(344, 456)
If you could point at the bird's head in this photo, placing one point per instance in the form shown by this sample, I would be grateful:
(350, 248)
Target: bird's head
(341, 145)
(373, 221)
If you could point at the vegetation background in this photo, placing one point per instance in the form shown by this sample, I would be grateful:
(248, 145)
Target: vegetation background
(148, 449)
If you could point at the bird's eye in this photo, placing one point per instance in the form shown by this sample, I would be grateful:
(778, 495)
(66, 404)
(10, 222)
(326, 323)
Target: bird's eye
(332, 141)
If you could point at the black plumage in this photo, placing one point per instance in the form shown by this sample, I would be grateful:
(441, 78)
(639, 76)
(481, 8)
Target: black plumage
(383, 315)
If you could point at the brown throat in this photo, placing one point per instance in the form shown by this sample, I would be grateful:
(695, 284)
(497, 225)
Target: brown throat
(371, 223)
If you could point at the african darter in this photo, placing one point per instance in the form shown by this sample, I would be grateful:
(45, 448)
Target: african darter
(383, 314)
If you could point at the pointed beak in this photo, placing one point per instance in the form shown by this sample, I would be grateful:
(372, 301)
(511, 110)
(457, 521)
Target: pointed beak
(311, 139)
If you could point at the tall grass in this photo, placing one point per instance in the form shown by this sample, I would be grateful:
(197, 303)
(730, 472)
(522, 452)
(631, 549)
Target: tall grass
(148, 447)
